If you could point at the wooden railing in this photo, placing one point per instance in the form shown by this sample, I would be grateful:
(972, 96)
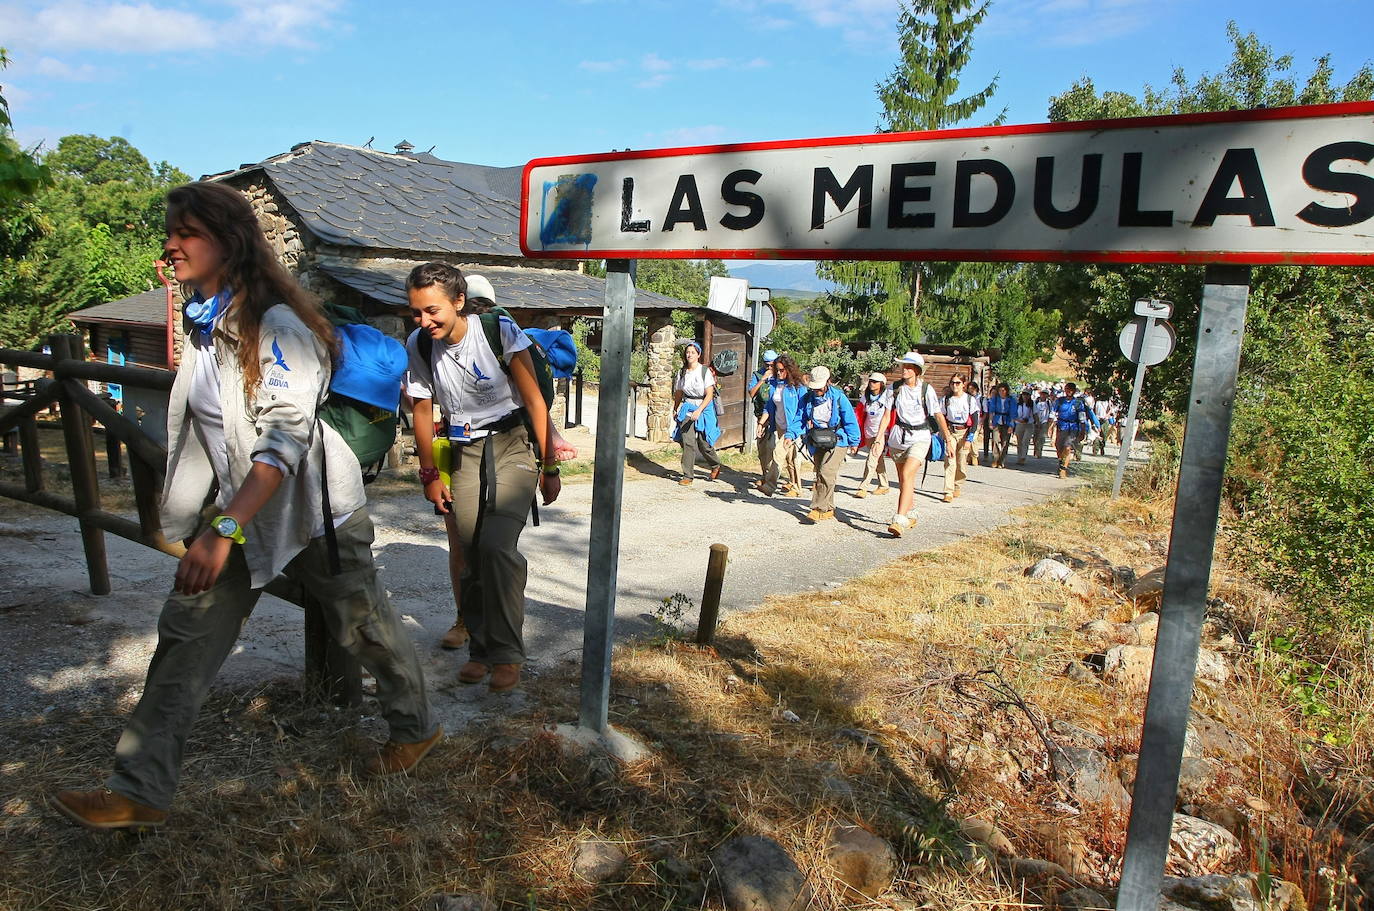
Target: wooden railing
(328, 667)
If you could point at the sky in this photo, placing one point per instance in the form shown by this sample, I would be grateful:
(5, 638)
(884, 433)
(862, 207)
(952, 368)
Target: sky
(210, 85)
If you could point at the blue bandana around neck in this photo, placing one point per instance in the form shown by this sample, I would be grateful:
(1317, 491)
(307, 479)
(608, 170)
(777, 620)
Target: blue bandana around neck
(203, 313)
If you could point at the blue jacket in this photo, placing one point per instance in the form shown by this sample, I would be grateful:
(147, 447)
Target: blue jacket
(1065, 412)
(791, 425)
(842, 417)
(1001, 411)
(706, 425)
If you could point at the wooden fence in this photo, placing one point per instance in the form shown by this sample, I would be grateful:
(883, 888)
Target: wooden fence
(328, 667)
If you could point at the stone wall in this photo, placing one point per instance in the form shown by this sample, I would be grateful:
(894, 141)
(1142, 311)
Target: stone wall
(663, 365)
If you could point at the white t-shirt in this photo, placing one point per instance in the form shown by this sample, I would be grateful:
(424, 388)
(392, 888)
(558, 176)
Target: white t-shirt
(1103, 409)
(875, 412)
(694, 383)
(959, 408)
(912, 408)
(470, 388)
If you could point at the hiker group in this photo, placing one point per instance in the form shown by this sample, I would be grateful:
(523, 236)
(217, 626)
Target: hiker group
(271, 421)
(906, 420)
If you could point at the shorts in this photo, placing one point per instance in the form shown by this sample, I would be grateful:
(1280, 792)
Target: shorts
(917, 446)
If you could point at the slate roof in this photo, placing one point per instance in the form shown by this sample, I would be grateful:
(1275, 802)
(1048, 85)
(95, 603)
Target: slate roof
(354, 197)
(517, 288)
(147, 308)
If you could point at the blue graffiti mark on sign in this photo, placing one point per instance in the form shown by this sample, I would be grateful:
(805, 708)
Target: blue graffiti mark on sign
(570, 221)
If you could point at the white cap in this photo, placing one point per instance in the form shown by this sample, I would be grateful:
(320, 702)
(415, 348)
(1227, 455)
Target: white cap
(877, 376)
(820, 375)
(914, 359)
(480, 287)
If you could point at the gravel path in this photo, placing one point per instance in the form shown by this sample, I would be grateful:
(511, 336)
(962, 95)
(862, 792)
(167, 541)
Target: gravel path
(66, 649)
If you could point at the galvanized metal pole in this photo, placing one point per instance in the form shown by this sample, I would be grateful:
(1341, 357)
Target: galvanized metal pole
(603, 558)
(1128, 432)
(1197, 505)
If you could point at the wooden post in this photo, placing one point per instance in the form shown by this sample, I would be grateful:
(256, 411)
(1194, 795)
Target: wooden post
(710, 595)
(32, 454)
(114, 455)
(76, 430)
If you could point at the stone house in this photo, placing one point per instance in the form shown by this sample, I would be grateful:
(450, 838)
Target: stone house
(350, 222)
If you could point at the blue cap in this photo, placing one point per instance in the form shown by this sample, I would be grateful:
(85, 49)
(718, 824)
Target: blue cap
(769, 356)
(370, 366)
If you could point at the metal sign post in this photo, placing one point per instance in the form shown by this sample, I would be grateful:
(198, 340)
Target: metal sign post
(1137, 353)
(758, 304)
(608, 477)
(1197, 506)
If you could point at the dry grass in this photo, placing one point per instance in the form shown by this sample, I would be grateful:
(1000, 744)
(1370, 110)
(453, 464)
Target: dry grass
(937, 659)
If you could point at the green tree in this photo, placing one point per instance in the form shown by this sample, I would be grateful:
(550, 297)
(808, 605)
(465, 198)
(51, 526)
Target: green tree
(89, 237)
(21, 174)
(1299, 480)
(922, 92)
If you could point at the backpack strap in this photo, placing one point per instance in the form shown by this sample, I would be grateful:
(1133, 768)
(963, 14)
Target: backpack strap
(491, 328)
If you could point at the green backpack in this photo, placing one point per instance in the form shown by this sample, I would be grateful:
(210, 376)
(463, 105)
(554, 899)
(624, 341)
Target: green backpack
(364, 389)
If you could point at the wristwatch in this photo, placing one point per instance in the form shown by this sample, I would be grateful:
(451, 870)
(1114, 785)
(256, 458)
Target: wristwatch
(227, 527)
(550, 470)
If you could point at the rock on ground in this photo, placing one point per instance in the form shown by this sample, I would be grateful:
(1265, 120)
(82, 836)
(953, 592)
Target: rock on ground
(597, 861)
(757, 874)
(1082, 900)
(470, 901)
(1089, 777)
(1198, 847)
(1232, 893)
(861, 861)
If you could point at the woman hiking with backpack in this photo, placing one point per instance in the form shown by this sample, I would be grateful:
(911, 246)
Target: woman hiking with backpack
(782, 427)
(694, 425)
(916, 416)
(489, 404)
(249, 463)
(875, 404)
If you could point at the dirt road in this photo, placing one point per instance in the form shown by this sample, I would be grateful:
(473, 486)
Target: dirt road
(67, 649)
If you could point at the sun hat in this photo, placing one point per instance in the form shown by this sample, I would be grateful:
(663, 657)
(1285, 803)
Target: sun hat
(480, 287)
(914, 359)
(820, 375)
(770, 356)
(877, 376)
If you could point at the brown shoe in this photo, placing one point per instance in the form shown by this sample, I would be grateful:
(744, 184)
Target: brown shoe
(715, 472)
(880, 491)
(686, 482)
(957, 493)
(456, 637)
(504, 677)
(472, 672)
(828, 514)
(394, 758)
(860, 494)
(103, 810)
(949, 498)
(1063, 472)
(814, 516)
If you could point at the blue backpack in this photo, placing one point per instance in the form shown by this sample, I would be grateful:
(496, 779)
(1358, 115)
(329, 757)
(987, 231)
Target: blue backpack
(364, 388)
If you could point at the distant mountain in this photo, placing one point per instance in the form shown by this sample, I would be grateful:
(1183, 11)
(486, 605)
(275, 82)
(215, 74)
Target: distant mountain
(798, 276)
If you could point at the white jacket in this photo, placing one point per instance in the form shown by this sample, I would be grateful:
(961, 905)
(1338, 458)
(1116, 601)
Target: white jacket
(279, 420)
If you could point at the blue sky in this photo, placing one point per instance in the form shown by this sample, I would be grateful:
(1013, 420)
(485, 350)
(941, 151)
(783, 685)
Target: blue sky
(210, 85)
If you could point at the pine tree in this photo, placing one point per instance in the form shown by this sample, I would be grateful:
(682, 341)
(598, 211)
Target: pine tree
(935, 40)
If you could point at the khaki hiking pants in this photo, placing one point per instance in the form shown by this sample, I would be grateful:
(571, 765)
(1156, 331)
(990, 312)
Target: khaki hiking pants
(827, 466)
(694, 446)
(955, 459)
(196, 633)
(1023, 433)
(1041, 433)
(494, 571)
(876, 464)
(1000, 436)
(789, 462)
(768, 462)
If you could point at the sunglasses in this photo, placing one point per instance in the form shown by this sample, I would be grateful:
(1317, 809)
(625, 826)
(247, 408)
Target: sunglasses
(956, 382)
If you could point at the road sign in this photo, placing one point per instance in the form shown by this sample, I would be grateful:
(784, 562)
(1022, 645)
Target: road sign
(1157, 309)
(1155, 338)
(1274, 185)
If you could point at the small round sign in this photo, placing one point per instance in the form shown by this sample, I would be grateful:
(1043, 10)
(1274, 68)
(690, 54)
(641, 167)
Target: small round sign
(1154, 345)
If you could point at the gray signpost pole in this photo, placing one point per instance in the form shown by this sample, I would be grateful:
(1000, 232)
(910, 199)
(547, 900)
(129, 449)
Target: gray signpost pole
(1128, 432)
(1197, 505)
(608, 477)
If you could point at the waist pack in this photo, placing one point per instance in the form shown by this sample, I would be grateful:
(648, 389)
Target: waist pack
(822, 439)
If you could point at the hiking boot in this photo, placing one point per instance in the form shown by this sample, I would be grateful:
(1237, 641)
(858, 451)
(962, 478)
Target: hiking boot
(949, 498)
(504, 677)
(686, 482)
(898, 525)
(715, 473)
(394, 758)
(828, 514)
(957, 492)
(456, 637)
(813, 516)
(1063, 472)
(860, 494)
(103, 810)
(472, 672)
(880, 491)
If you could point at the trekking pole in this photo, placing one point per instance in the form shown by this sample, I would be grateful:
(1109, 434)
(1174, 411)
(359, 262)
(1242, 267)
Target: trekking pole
(710, 596)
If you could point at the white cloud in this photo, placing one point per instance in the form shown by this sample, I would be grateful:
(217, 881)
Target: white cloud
(653, 63)
(653, 81)
(128, 27)
(712, 63)
(52, 68)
